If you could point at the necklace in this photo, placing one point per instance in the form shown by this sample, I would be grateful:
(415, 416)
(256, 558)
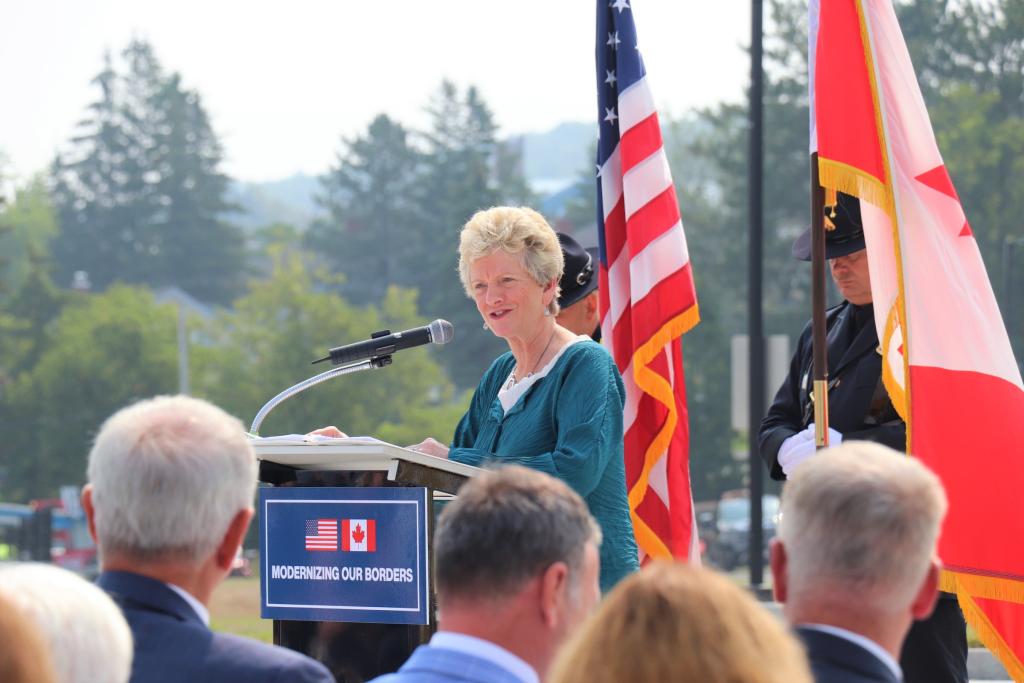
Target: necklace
(512, 379)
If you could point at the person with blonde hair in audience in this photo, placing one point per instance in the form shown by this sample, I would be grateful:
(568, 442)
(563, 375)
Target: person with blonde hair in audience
(676, 622)
(86, 638)
(24, 657)
(169, 499)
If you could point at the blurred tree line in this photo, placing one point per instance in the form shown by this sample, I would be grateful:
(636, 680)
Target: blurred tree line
(136, 203)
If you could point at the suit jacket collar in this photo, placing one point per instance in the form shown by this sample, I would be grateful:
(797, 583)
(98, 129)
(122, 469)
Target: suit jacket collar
(453, 665)
(844, 654)
(135, 591)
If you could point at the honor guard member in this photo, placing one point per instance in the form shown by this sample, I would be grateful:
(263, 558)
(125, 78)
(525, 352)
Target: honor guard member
(859, 408)
(578, 289)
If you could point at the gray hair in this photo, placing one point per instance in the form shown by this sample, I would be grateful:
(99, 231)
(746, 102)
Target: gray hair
(168, 476)
(864, 517)
(516, 230)
(506, 527)
(86, 635)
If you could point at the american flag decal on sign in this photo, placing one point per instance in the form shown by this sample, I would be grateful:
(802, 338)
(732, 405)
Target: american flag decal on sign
(648, 300)
(321, 534)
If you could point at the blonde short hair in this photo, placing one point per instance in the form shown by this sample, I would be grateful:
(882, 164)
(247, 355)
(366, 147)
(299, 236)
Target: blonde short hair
(516, 230)
(675, 622)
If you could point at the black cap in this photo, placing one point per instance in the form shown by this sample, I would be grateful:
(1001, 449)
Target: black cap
(580, 275)
(847, 237)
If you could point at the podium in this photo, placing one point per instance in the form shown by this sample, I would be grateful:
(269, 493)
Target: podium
(354, 637)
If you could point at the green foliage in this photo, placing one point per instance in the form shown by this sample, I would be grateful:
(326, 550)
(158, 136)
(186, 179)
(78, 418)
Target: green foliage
(267, 342)
(26, 226)
(101, 353)
(139, 195)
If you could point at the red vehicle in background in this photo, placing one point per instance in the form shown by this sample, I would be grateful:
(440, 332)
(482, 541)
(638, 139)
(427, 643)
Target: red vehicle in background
(71, 546)
(48, 530)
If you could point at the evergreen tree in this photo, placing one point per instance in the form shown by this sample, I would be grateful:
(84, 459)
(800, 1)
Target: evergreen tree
(139, 195)
(467, 169)
(372, 232)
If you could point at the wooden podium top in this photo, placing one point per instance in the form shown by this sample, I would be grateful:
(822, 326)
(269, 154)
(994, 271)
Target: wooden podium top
(361, 454)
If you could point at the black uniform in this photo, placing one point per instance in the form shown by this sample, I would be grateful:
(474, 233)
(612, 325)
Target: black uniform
(859, 408)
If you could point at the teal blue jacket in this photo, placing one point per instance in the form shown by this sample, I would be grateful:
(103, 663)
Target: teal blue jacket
(569, 425)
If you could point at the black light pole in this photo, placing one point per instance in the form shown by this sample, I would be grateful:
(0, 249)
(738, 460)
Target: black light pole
(755, 319)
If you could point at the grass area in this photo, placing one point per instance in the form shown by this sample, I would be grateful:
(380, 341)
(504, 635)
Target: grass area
(235, 608)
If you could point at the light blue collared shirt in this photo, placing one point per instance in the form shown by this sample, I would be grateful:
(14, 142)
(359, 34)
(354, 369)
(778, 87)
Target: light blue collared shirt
(484, 649)
(198, 607)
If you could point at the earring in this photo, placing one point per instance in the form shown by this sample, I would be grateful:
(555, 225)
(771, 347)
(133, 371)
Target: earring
(485, 326)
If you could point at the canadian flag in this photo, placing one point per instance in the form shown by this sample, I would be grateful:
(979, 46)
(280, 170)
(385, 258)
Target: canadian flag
(359, 535)
(947, 360)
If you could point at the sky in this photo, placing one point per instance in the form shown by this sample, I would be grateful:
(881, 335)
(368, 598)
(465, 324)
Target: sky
(285, 82)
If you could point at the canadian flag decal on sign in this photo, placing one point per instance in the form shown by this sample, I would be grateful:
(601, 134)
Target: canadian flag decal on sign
(359, 535)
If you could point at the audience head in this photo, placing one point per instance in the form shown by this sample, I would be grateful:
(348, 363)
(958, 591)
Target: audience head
(86, 637)
(675, 622)
(168, 477)
(860, 524)
(24, 655)
(521, 232)
(517, 550)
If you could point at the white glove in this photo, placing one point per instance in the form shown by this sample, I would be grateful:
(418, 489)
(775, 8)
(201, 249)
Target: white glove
(800, 447)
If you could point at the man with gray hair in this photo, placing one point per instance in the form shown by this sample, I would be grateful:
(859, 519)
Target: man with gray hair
(855, 558)
(516, 571)
(169, 499)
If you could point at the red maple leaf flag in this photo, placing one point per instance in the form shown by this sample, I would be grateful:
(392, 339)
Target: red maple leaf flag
(359, 535)
(947, 360)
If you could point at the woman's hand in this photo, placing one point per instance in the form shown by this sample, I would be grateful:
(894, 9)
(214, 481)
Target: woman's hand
(431, 447)
(331, 431)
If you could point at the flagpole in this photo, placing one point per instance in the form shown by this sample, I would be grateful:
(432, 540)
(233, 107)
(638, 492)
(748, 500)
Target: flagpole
(755, 319)
(818, 328)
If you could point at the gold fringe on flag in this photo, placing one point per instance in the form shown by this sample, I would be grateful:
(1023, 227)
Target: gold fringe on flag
(990, 637)
(660, 389)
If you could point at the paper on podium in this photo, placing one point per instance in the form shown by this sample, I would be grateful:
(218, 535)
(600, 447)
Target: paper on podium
(307, 439)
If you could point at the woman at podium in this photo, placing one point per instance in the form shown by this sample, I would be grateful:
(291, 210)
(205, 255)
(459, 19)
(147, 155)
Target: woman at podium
(554, 400)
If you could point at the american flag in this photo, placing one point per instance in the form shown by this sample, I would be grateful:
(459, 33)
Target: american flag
(647, 296)
(321, 534)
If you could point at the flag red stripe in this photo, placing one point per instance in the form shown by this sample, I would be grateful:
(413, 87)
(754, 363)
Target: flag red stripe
(652, 220)
(615, 231)
(669, 298)
(371, 535)
(640, 142)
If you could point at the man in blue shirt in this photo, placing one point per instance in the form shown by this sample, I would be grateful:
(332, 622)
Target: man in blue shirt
(516, 572)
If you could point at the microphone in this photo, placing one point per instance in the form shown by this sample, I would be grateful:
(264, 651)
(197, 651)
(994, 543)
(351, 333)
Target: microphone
(384, 343)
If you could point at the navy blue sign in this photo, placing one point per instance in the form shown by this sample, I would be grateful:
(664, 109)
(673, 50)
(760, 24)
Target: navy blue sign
(344, 554)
